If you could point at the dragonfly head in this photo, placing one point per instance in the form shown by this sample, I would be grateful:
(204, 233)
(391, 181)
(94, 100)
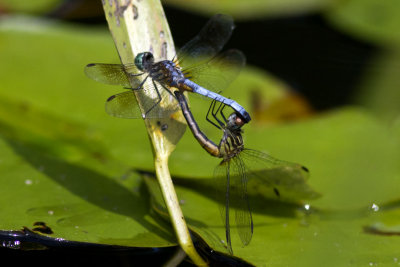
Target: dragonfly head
(144, 60)
(235, 122)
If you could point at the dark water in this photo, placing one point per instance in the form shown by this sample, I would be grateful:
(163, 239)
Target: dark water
(27, 248)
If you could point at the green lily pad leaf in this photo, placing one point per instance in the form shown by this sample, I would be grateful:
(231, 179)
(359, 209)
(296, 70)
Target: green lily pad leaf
(385, 220)
(285, 234)
(291, 189)
(58, 85)
(251, 9)
(374, 21)
(75, 202)
(352, 157)
(55, 155)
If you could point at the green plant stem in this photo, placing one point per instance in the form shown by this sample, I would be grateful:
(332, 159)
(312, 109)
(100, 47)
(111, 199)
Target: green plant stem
(138, 27)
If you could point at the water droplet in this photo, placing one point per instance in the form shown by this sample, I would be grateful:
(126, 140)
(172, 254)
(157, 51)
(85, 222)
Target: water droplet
(182, 202)
(373, 264)
(375, 207)
(28, 181)
(395, 259)
(307, 206)
(50, 212)
(161, 34)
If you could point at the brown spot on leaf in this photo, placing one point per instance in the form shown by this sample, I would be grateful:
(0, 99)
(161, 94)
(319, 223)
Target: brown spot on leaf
(135, 12)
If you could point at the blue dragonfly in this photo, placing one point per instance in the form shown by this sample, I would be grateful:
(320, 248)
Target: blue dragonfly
(198, 66)
(238, 165)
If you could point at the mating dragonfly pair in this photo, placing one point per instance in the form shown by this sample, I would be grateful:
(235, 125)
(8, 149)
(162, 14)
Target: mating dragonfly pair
(205, 67)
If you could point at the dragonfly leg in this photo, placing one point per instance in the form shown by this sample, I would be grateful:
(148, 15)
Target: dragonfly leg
(158, 101)
(166, 88)
(215, 114)
(140, 85)
(222, 114)
(208, 113)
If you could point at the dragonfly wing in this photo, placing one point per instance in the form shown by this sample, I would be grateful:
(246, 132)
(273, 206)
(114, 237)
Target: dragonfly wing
(114, 74)
(153, 107)
(222, 186)
(239, 200)
(123, 105)
(219, 72)
(286, 179)
(205, 45)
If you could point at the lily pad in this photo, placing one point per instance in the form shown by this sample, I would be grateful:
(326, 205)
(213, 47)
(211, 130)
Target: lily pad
(287, 234)
(386, 220)
(75, 202)
(55, 162)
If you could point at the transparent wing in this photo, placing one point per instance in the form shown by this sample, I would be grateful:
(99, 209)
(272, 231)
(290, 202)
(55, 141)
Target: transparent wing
(153, 107)
(231, 188)
(219, 72)
(239, 200)
(285, 179)
(114, 74)
(210, 40)
(125, 105)
(222, 186)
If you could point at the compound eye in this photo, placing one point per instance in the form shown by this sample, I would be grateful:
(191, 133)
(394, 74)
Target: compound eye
(239, 121)
(149, 57)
